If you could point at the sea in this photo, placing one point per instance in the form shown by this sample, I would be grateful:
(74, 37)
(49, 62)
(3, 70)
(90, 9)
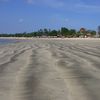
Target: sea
(7, 41)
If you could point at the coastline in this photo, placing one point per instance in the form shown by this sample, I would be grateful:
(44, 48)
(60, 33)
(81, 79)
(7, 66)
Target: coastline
(31, 38)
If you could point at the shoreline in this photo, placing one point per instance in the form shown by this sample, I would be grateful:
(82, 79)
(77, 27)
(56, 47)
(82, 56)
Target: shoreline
(32, 38)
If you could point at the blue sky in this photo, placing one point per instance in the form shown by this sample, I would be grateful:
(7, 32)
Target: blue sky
(31, 15)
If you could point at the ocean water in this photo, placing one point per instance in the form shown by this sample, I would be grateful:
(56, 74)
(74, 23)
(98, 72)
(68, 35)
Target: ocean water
(7, 41)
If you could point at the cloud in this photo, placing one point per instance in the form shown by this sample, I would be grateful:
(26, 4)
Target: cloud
(87, 8)
(66, 20)
(69, 5)
(59, 18)
(21, 20)
(30, 1)
(54, 3)
(4, 0)
(49, 3)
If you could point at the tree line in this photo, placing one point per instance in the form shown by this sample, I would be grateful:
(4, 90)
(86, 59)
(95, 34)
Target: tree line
(63, 32)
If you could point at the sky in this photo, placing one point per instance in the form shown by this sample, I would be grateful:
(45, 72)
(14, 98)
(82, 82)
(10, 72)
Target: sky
(31, 15)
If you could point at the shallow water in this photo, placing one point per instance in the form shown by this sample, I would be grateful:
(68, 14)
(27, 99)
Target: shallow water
(6, 41)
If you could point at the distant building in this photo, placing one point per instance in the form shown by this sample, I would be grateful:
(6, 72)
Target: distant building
(87, 33)
(82, 30)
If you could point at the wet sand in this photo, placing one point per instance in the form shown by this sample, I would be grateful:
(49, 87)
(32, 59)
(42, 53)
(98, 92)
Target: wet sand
(50, 69)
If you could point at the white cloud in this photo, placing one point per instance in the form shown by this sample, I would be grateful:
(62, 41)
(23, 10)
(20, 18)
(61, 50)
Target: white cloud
(59, 18)
(66, 20)
(21, 20)
(50, 3)
(68, 5)
(87, 8)
(54, 3)
(30, 1)
(4, 0)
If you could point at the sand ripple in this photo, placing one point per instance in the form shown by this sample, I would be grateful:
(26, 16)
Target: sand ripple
(44, 69)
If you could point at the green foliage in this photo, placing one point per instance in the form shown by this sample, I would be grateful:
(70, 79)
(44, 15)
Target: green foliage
(72, 33)
(53, 33)
(63, 32)
(92, 32)
(78, 34)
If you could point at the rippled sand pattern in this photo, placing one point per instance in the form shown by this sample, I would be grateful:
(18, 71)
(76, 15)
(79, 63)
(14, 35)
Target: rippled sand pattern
(50, 69)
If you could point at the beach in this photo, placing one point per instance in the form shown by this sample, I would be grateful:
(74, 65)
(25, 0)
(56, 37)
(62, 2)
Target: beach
(50, 69)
